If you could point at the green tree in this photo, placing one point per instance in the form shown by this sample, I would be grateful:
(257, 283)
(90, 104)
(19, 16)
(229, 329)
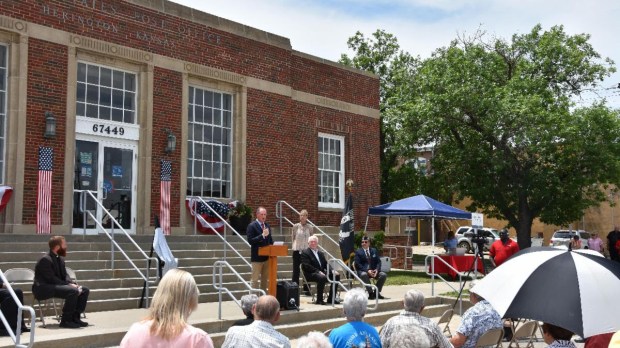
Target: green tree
(381, 55)
(504, 128)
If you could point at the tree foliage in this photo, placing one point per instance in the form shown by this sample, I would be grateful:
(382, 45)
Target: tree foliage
(381, 55)
(505, 132)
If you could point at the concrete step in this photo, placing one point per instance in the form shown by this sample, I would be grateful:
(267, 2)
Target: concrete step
(24, 255)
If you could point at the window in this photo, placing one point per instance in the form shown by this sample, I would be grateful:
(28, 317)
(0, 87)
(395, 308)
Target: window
(331, 171)
(106, 94)
(209, 148)
(3, 106)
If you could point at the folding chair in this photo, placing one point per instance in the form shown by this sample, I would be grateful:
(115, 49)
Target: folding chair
(25, 275)
(526, 331)
(312, 289)
(491, 338)
(445, 319)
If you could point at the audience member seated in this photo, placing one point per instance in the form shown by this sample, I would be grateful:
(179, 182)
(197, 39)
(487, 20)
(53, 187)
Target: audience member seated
(51, 281)
(410, 319)
(413, 337)
(166, 325)
(450, 244)
(476, 321)
(368, 266)
(247, 303)
(314, 339)
(355, 333)
(261, 333)
(9, 309)
(314, 266)
(557, 337)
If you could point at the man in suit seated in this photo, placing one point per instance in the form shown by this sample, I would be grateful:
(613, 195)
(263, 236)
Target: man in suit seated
(10, 308)
(314, 266)
(51, 280)
(368, 266)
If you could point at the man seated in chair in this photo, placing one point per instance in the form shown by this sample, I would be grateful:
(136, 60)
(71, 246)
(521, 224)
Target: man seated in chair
(51, 281)
(477, 320)
(9, 309)
(368, 266)
(314, 266)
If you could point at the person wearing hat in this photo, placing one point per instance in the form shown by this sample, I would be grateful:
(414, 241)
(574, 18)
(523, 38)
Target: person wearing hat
(503, 248)
(477, 320)
(368, 266)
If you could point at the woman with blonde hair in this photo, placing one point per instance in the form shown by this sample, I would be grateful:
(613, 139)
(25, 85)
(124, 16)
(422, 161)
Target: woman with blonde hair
(300, 233)
(166, 325)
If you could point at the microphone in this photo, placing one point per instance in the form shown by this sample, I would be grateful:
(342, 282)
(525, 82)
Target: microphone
(293, 303)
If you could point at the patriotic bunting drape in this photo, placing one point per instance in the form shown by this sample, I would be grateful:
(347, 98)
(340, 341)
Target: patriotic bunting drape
(206, 221)
(164, 207)
(5, 196)
(44, 192)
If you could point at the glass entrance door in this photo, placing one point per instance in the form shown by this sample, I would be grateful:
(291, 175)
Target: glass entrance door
(108, 170)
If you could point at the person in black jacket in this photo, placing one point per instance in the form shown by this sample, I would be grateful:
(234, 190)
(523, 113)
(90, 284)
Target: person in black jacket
(247, 305)
(259, 235)
(51, 281)
(9, 309)
(314, 266)
(368, 265)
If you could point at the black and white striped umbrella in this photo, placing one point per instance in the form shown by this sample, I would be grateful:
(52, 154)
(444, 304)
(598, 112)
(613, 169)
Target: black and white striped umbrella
(578, 290)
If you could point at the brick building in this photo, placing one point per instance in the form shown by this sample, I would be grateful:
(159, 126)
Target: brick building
(253, 118)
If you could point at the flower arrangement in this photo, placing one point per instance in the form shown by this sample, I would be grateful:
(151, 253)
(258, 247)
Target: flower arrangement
(238, 209)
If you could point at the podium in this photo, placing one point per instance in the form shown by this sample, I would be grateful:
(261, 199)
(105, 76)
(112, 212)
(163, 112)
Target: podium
(273, 251)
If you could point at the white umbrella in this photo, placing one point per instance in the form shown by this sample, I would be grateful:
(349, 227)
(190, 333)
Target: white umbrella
(577, 290)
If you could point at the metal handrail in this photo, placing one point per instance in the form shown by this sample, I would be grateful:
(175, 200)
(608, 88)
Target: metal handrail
(391, 247)
(342, 265)
(16, 336)
(219, 285)
(331, 257)
(433, 274)
(114, 244)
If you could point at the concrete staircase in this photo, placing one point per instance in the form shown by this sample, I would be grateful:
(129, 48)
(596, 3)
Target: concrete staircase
(115, 292)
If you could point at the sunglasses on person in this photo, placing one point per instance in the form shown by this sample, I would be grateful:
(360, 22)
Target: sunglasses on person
(364, 242)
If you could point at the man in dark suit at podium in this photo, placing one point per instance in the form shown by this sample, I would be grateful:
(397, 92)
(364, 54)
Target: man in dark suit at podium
(259, 235)
(368, 266)
(314, 266)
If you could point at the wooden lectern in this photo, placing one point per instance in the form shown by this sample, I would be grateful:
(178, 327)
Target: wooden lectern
(273, 251)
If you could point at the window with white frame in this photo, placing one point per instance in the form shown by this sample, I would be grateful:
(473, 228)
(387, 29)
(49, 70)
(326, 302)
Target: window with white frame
(3, 106)
(105, 93)
(331, 171)
(209, 144)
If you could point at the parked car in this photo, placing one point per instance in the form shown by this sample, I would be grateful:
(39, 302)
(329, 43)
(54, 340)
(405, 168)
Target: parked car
(464, 235)
(563, 237)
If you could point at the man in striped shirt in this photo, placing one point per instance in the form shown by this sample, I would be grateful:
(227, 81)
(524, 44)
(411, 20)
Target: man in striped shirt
(410, 317)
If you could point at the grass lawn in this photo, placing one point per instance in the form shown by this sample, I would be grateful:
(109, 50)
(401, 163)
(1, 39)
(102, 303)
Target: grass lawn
(402, 277)
(455, 294)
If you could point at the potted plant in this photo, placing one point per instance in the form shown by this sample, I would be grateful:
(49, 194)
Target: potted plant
(239, 215)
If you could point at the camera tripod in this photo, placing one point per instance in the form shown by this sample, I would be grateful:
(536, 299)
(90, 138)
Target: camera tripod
(479, 257)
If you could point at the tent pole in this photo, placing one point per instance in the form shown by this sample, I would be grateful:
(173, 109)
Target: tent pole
(433, 256)
(366, 225)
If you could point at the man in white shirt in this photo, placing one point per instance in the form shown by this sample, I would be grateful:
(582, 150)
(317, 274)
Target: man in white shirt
(261, 333)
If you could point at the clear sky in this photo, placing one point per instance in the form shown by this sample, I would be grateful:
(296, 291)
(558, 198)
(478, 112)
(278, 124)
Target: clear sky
(322, 27)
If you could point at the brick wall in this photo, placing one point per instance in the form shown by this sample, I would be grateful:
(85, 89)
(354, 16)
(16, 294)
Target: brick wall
(47, 86)
(167, 97)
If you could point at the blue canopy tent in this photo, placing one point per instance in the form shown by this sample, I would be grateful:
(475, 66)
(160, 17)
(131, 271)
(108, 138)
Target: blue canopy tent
(421, 207)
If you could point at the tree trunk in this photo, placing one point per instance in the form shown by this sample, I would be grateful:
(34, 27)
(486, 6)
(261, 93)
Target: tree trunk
(524, 228)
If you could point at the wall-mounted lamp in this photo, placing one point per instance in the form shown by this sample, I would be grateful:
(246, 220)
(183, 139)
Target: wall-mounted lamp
(171, 144)
(50, 125)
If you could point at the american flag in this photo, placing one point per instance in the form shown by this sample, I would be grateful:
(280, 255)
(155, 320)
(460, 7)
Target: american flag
(44, 194)
(164, 206)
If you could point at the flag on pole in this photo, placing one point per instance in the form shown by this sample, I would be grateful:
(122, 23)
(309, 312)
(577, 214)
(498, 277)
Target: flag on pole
(347, 233)
(44, 193)
(5, 196)
(206, 221)
(164, 205)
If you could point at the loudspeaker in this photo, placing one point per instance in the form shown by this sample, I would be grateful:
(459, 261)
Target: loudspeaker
(287, 294)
